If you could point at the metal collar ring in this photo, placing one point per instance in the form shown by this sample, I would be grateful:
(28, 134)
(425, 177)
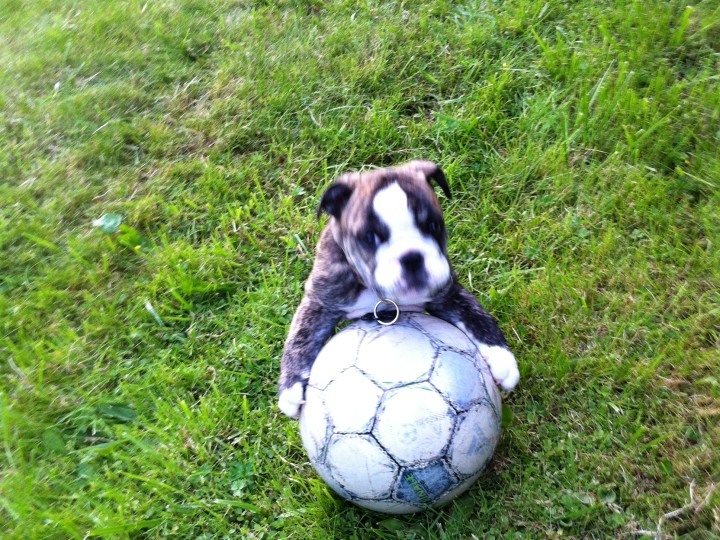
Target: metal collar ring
(386, 301)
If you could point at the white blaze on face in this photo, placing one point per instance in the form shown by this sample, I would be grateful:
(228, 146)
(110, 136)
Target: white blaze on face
(391, 206)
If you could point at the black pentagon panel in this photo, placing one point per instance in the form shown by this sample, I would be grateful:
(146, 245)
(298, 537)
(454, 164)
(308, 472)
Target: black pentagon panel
(424, 485)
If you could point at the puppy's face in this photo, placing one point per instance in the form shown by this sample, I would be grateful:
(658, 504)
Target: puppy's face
(390, 226)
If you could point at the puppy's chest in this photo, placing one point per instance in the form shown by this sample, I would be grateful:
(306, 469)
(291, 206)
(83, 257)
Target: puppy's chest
(365, 303)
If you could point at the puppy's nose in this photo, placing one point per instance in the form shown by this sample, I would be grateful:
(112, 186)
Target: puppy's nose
(412, 261)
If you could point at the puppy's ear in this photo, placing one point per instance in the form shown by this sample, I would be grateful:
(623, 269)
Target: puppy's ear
(334, 200)
(432, 173)
(439, 176)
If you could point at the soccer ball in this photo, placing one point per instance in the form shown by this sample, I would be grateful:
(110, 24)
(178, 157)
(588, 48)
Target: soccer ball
(400, 418)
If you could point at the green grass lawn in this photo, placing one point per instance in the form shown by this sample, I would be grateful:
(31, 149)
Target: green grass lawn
(138, 369)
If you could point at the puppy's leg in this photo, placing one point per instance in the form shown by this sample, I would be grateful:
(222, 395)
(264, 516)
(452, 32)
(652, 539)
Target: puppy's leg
(462, 309)
(311, 327)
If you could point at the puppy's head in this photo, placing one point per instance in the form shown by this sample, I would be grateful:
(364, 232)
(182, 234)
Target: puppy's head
(389, 224)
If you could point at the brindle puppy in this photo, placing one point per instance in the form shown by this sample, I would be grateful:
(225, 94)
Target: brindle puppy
(386, 239)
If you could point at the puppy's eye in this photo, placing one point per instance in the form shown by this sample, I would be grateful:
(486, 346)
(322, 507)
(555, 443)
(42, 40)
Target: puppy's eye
(433, 226)
(370, 239)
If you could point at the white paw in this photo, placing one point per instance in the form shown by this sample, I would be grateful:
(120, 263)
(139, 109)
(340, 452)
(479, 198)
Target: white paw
(502, 364)
(291, 399)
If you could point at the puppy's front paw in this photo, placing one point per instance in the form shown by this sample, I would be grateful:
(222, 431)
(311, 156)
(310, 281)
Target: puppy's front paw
(291, 399)
(503, 366)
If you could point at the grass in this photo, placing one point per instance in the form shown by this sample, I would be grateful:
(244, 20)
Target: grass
(138, 383)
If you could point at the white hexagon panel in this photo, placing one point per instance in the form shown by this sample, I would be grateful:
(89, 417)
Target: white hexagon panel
(336, 356)
(388, 506)
(360, 466)
(315, 427)
(474, 440)
(352, 400)
(457, 377)
(398, 358)
(414, 423)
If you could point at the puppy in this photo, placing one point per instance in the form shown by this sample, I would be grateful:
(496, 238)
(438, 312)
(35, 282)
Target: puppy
(386, 239)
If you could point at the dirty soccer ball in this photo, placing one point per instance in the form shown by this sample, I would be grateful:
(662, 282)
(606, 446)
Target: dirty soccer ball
(400, 418)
